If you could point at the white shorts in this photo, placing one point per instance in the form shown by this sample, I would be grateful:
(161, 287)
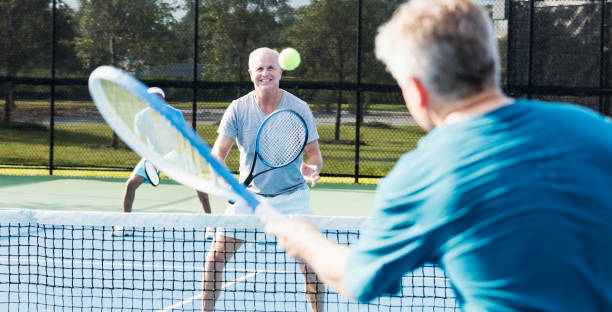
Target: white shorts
(294, 203)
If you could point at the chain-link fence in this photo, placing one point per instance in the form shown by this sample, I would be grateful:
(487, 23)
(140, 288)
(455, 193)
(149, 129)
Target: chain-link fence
(197, 51)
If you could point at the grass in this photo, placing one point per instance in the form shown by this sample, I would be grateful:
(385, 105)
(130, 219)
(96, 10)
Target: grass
(88, 145)
(75, 104)
(74, 107)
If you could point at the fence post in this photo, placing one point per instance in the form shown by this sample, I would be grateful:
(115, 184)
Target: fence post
(603, 68)
(52, 108)
(358, 93)
(509, 54)
(530, 61)
(194, 105)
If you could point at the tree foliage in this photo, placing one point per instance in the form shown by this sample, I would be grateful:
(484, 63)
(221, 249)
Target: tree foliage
(25, 35)
(26, 41)
(231, 29)
(125, 33)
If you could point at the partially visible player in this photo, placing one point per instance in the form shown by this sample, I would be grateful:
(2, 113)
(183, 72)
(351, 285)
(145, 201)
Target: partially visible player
(138, 176)
(511, 197)
(283, 188)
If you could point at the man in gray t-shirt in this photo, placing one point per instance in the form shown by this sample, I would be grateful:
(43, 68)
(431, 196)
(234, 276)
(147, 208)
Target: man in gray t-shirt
(241, 122)
(283, 188)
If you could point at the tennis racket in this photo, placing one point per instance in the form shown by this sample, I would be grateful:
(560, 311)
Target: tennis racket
(151, 172)
(167, 141)
(281, 138)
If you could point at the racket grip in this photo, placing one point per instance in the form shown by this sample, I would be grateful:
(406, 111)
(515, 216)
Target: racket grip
(248, 181)
(268, 213)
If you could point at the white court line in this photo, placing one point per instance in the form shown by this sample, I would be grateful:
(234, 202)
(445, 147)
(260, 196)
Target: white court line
(199, 296)
(102, 264)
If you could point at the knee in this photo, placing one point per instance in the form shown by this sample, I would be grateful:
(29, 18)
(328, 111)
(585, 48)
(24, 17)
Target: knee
(132, 184)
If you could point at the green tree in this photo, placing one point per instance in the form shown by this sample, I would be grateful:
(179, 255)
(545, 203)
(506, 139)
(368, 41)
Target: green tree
(184, 32)
(375, 13)
(326, 32)
(131, 34)
(231, 29)
(25, 41)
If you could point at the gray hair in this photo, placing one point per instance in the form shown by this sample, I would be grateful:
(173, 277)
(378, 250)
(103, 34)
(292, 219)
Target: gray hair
(449, 45)
(259, 51)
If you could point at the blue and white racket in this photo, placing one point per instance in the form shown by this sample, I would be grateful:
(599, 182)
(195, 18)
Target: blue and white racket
(281, 138)
(165, 139)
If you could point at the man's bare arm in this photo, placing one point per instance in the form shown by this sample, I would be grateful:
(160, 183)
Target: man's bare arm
(314, 163)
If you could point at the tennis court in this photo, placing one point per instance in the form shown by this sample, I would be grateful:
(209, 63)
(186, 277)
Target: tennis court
(105, 194)
(57, 254)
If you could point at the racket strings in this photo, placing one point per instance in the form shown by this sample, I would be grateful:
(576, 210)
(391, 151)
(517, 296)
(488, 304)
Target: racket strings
(281, 139)
(154, 130)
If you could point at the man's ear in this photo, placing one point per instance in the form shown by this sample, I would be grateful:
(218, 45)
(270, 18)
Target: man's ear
(420, 92)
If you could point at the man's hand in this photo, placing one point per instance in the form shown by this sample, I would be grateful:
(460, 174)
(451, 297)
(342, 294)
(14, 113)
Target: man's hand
(295, 236)
(310, 173)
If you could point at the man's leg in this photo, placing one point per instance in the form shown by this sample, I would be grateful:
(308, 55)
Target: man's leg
(130, 191)
(203, 197)
(133, 182)
(315, 290)
(223, 249)
(298, 202)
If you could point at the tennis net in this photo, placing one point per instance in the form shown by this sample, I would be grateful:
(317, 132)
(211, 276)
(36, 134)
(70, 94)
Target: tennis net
(69, 261)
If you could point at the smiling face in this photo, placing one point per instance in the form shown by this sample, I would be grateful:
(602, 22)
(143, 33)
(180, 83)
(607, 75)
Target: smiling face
(264, 70)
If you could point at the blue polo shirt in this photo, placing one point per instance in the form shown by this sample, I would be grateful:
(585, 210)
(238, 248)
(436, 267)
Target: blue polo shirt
(514, 205)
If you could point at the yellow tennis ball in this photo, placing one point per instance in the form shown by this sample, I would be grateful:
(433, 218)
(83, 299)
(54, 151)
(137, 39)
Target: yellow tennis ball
(289, 59)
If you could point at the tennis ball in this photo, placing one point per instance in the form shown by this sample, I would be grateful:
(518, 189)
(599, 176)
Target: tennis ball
(289, 59)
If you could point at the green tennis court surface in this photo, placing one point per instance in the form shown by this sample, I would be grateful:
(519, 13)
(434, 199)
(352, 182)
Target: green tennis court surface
(57, 252)
(106, 194)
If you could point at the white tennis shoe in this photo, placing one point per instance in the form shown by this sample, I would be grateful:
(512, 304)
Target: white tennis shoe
(120, 231)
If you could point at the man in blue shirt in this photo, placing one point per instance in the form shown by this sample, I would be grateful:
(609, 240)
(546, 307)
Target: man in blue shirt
(510, 197)
(143, 124)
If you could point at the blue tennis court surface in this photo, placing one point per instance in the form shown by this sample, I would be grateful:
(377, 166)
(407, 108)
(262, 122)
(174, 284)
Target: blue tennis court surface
(83, 268)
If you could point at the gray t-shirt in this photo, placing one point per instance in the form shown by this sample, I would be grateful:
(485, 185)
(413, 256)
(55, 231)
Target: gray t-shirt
(241, 121)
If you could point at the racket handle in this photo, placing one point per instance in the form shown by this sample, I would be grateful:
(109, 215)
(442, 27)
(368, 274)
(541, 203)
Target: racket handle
(248, 180)
(268, 213)
(246, 183)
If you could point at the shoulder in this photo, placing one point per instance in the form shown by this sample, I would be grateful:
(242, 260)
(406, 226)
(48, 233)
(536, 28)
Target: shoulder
(292, 102)
(294, 99)
(142, 113)
(245, 99)
(563, 112)
(242, 104)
